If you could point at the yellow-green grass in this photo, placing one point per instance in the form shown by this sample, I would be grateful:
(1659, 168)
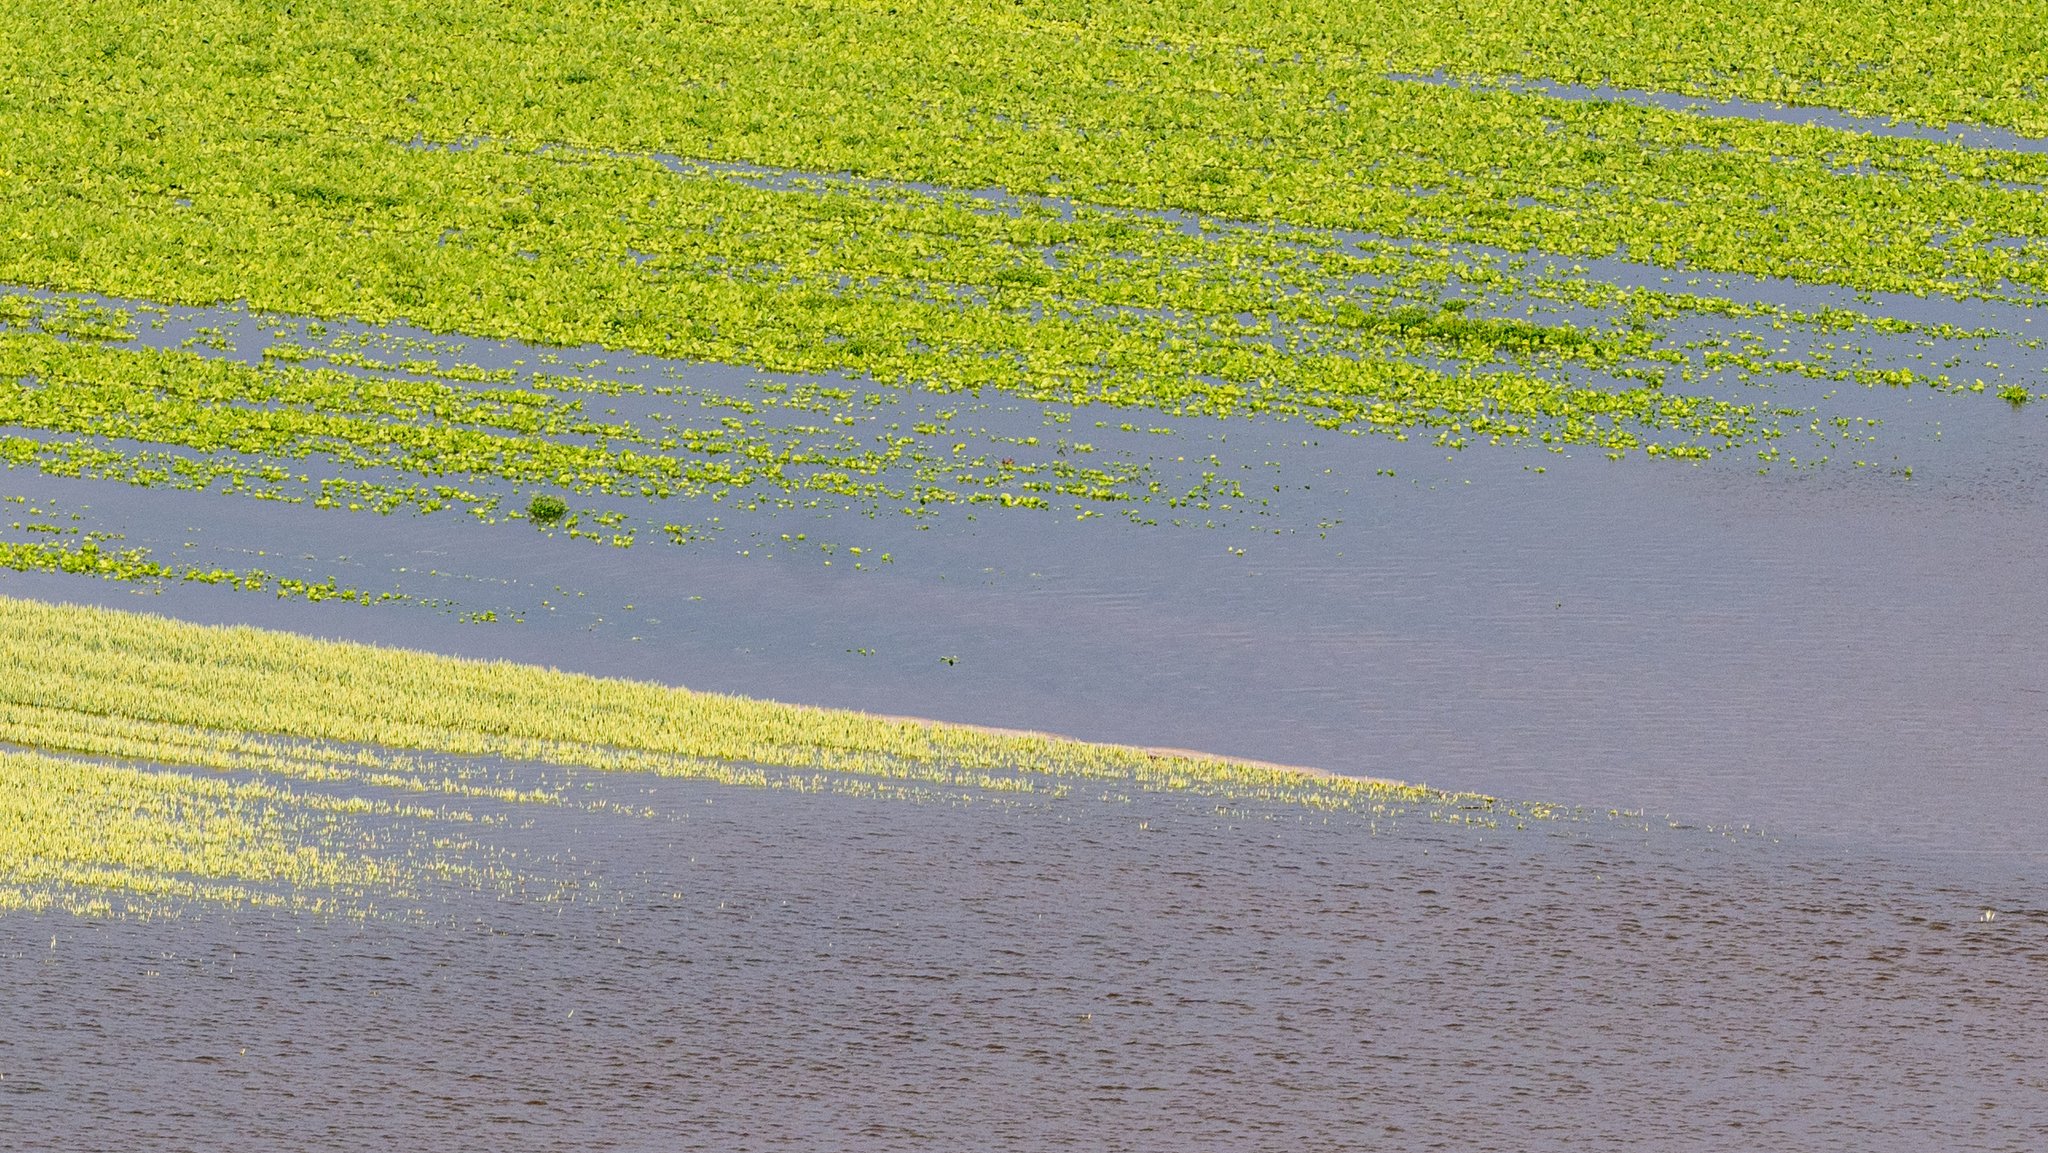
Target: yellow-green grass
(97, 838)
(117, 727)
(488, 169)
(142, 668)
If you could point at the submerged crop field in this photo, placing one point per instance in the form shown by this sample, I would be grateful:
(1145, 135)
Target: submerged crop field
(1149, 221)
(439, 439)
(291, 720)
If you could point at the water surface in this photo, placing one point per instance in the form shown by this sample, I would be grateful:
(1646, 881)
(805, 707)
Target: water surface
(752, 969)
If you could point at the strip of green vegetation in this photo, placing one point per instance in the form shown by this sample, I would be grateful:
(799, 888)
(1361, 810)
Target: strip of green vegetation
(130, 665)
(1977, 61)
(339, 423)
(301, 722)
(281, 431)
(479, 171)
(88, 557)
(49, 545)
(95, 838)
(1274, 124)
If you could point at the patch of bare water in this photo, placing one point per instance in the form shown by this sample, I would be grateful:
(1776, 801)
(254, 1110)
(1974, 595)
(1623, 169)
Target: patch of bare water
(744, 969)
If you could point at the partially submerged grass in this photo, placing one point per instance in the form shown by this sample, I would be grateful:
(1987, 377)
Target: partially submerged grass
(100, 838)
(150, 669)
(301, 722)
(1181, 212)
(1183, 219)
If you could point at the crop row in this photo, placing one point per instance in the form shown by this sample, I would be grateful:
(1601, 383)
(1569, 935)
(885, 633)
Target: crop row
(305, 726)
(333, 437)
(82, 835)
(243, 680)
(476, 176)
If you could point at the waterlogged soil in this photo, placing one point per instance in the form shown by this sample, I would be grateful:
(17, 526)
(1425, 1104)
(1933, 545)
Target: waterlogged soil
(729, 968)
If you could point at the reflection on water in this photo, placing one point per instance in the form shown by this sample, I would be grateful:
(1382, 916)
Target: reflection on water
(770, 970)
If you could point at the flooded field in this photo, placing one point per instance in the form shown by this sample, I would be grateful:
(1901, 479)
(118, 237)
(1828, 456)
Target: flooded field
(1642, 457)
(1814, 698)
(1817, 642)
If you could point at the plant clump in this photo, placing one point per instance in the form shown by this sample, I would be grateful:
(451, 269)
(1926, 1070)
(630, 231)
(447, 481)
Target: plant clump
(546, 508)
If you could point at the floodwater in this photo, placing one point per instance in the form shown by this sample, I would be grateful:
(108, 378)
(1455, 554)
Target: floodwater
(1847, 649)
(1822, 691)
(1890, 127)
(761, 969)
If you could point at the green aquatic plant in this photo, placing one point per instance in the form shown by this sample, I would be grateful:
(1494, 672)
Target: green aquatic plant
(546, 508)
